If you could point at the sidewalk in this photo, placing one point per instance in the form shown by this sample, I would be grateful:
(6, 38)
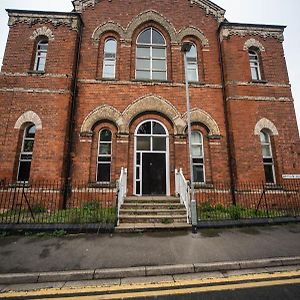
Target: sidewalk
(84, 252)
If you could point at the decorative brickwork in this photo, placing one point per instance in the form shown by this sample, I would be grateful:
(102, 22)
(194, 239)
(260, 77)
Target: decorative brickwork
(29, 117)
(265, 124)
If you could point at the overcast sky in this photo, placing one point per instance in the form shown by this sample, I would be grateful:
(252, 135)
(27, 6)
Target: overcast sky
(255, 11)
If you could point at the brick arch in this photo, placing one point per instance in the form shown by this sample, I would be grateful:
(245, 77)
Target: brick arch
(147, 16)
(29, 117)
(192, 31)
(200, 116)
(108, 26)
(252, 43)
(42, 31)
(103, 112)
(152, 103)
(264, 123)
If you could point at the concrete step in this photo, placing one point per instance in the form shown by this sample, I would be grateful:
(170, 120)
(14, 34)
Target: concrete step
(151, 201)
(154, 211)
(139, 206)
(162, 219)
(155, 198)
(144, 227)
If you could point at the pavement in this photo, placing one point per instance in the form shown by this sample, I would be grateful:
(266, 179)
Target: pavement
(146, 253)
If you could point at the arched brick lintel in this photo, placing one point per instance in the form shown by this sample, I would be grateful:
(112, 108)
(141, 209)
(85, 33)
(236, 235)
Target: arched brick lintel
(29, 117)
(264, 123)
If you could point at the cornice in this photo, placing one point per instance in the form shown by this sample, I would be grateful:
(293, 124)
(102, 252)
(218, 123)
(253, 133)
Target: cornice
(247, 30)
(31, 18)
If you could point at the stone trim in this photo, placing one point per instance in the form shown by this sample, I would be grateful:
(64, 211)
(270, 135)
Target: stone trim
(42, 31)
(253, 43)
(108, 26)
(27, 117)
(242, 31)
(268, 84)
(103, 112)
(150, 15)
(153, 103)
(192, 31)
(35, 90)
(29, 18)
(52, 75)
(259, 98)
(201, 116)
(265, 124)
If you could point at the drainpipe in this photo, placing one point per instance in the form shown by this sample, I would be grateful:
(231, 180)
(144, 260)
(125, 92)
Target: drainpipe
(71, 121)
(230, 150)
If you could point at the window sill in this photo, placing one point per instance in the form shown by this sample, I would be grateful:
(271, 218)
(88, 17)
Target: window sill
(33, 72)
(107, 79)
(196, 83)
(151, 81)
(206, 186)
(102, 184)
(259, 81)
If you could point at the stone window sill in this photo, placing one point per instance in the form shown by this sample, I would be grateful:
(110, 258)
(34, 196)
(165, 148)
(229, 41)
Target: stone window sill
(259, 81)
(33, 72)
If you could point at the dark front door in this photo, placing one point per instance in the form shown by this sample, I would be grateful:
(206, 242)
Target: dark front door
(154, 174)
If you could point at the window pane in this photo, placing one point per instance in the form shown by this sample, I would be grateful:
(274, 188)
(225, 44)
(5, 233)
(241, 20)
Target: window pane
(254, 74)
(192, 52)
(30, 132)
(143, 143)
(142, 64)
(192, 75)
(159, 144)
(159, 65)
(24, 170)
(138, 187)
(198, 173)
(196, 150)
(159, 75)
(108, 71)
(143, 52)
(105, 135)
(103, 174)
(269, 173)
(105, 148)
(264, 137)
(110, 46)
(158, 53)
(266, 151)
(158, 129)
(145, 128)
(157, 38)
(138, 158)
(196, 138)
(104, 159)
(143, 74)
(145, 37)
(137, 171)
(28, 145)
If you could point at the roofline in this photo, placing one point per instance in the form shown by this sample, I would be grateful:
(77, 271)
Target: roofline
(224, 24)
(39, 12)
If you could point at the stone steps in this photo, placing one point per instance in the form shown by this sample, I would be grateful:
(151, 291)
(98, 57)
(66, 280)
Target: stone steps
(144, 227)
(162, 206)
(153, 211)
(163, 219)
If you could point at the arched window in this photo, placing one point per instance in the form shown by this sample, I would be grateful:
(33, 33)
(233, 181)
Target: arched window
(192, 64)
(151, 62)
(254, 65)
(41, 55)
(104, 156)
(109, 60)
(198, 157)
(267, 157)
(26, 153)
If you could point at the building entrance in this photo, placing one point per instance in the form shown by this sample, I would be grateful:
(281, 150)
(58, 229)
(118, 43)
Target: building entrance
(151, 161)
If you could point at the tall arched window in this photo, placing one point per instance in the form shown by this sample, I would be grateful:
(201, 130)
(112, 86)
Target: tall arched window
(192, 64)
(109, 59)
(198, 157)
(151, 61)
(26, 153)
(104, 156)
(41, 55)
(254, 65)
(267, 157)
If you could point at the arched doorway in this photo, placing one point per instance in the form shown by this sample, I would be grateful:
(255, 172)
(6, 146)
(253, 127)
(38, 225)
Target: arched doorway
(151, 159)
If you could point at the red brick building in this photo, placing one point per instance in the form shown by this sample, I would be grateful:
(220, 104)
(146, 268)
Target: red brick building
(85, 93)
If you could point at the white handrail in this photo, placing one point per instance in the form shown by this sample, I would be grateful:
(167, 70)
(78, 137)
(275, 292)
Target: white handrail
(183, 190)
(122, 190)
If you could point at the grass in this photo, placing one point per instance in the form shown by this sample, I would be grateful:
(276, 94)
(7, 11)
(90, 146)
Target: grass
(206, 211)
(90, 212)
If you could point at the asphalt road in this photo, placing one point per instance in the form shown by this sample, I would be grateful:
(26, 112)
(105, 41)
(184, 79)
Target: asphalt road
(90, 251)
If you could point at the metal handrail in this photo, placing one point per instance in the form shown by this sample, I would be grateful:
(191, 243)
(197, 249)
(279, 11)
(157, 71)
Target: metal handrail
(122, 191)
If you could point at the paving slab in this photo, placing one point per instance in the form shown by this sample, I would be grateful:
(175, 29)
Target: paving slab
(92, 283)
(120, 272)
(66, 276)
(197, 276)
(148, 279)
(169, 270)
(32, 286)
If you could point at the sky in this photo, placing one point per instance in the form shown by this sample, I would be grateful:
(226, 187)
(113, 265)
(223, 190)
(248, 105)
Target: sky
(256, 11)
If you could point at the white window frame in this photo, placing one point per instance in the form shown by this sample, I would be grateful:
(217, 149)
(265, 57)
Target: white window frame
(99, 162)
(254, 64)
(108, 62)
(140, 152)
(39, 56)
(199, 156)
(269, 145)
(23, 153)
(151, 46)
(191, 66)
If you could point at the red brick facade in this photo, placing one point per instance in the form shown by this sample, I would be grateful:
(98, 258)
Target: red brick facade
(70, 102)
